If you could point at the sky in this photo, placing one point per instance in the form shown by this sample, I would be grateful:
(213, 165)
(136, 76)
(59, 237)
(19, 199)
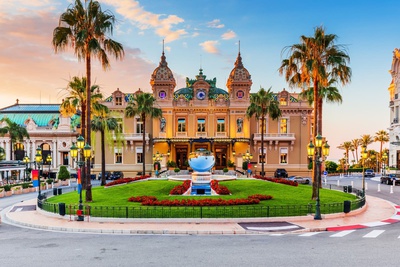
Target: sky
(205, 34)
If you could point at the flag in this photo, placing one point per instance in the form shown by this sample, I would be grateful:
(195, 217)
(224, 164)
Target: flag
(79, 181)
(35, 178)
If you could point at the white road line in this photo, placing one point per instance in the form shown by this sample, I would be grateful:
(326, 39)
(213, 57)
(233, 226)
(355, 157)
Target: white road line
(310, 234)
(374, 234)
(342, 233)
(18, 209)
(273, 228)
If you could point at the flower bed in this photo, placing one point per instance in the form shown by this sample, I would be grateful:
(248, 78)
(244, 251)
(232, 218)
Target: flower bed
(152, 201)
(219, 189)
(181, 189)
(127, 180)
(277, 180)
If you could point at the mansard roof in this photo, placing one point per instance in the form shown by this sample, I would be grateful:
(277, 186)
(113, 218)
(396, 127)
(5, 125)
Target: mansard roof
(42, 114)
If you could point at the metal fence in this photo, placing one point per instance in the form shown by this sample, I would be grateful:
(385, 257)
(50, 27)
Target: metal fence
(199, 212)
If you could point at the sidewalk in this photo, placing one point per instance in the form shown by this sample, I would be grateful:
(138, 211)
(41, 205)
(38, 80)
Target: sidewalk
(376, 212)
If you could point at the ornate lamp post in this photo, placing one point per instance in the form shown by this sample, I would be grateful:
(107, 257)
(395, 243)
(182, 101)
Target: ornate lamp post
(246, 158)
(76, 152)
(320, 151)
(48, 161)
(156, 159)
(384, 158)
(39, 161)
(364, 155)
(26, 161)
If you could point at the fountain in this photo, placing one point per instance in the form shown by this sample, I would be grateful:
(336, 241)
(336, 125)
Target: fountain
(201, 161)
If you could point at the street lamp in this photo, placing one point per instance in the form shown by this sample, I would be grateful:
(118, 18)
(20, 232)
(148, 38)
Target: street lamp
(39, 161)
(364, 155)
(76, 151)
(157, 158)
(246, 158)
(48, 161)
(320, 151)
(384, 158)
(26, 160)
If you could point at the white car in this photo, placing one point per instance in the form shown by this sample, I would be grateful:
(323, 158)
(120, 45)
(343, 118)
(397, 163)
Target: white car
(300, 180)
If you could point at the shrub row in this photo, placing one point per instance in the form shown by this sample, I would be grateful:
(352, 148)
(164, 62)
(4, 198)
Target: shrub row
(127, 180)
(152, 201)
(219, 189)
(277, 180)
(181, 189)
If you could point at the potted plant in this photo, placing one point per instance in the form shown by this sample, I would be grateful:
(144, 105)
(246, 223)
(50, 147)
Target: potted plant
(176, 170)
(225, 170)
(1, 192)
(63, 175)
(7, 189)
(171, 164)
(25, 188)
(231, 165)
(17, 190)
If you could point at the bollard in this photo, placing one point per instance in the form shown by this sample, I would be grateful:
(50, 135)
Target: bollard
(391, 189)
(366, 186)
(338, 183)
(379, 187)
(352, 183)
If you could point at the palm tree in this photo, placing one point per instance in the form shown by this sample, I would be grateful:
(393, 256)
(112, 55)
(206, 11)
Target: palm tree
(15, 131)
(263, 104)
(316, 61)
(366, 139)
(2, 154)
(104, 124)
(346, 146)
(85, 29)
(142, 105)
(382, 137)
(330, 94)
(356, 143)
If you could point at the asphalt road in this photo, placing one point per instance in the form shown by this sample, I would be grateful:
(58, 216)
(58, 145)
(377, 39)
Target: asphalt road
(366, 247)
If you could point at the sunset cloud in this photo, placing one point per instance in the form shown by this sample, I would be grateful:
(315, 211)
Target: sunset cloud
(216, 23)
(228, 35)
(210, 47)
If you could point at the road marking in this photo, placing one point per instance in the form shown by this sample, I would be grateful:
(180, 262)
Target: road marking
(310, 234)
(374, 234)
(342, 233)
(18, 209)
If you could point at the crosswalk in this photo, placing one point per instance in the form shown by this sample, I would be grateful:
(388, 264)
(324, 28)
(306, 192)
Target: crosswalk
(370, 234)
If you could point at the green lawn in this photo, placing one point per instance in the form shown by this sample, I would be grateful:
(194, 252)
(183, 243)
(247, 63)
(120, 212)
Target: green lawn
(282, 194)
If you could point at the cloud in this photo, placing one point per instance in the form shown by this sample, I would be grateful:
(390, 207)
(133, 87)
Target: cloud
(163, 25)
(210, 47)
(215, 24)
(228, 35)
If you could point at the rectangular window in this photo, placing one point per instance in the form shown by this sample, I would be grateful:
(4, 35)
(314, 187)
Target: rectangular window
(261, 157)
(283, 153)
(118, 101)
(283, 125)
(201, 125)
(283, 101)
(181, 125)
(139, 125)
(119, 128)
(118, 155)
(220, 125)
(139, 155)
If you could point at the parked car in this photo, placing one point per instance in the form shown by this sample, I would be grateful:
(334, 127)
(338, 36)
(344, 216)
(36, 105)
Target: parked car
(369, 173)
(300, 180)
(281, 173)
(389, 179)
(107, 174)
(117, 175)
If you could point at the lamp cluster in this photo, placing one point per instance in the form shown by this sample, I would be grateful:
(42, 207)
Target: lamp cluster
(247, 156)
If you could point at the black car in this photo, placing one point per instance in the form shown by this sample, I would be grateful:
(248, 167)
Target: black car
(117, 175)
(281, 173)
(107, 174)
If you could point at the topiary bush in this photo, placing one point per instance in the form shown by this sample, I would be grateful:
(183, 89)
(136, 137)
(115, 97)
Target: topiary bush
(63, 174)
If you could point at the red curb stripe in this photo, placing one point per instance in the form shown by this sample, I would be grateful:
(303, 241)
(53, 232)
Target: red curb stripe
(391, 221)
(397, 207)
(342, 228)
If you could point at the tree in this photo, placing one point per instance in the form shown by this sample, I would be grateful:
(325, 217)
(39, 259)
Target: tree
(356, 143)
(104, 124)
(85, 30)
(142, 105)
(16, 132)
(2, 154)
(382, 137)
(316, 61)
(262, 105)
(346, 146)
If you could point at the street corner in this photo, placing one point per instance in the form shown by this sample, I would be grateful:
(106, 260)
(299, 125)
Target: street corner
(271, 226)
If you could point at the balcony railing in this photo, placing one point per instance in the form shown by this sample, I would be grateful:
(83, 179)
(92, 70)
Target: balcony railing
(201, 134)
(220, 134)
(275, 136)
(134, 136)
(181, 134)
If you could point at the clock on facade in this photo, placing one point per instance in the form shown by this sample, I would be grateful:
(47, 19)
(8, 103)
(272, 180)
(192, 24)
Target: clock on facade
(162, 94)
(240, 94)
(200, 94)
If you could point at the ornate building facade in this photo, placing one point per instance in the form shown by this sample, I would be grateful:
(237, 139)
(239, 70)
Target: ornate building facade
(394, 129)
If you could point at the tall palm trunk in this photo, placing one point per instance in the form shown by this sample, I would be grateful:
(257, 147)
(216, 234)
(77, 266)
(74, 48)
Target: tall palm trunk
(88, 124)
(11, 149)
(103, 158)
(316, 131)
(262, 145)
(144, 144)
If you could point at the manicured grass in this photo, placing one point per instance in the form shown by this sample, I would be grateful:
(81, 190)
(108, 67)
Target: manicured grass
(282, 194)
